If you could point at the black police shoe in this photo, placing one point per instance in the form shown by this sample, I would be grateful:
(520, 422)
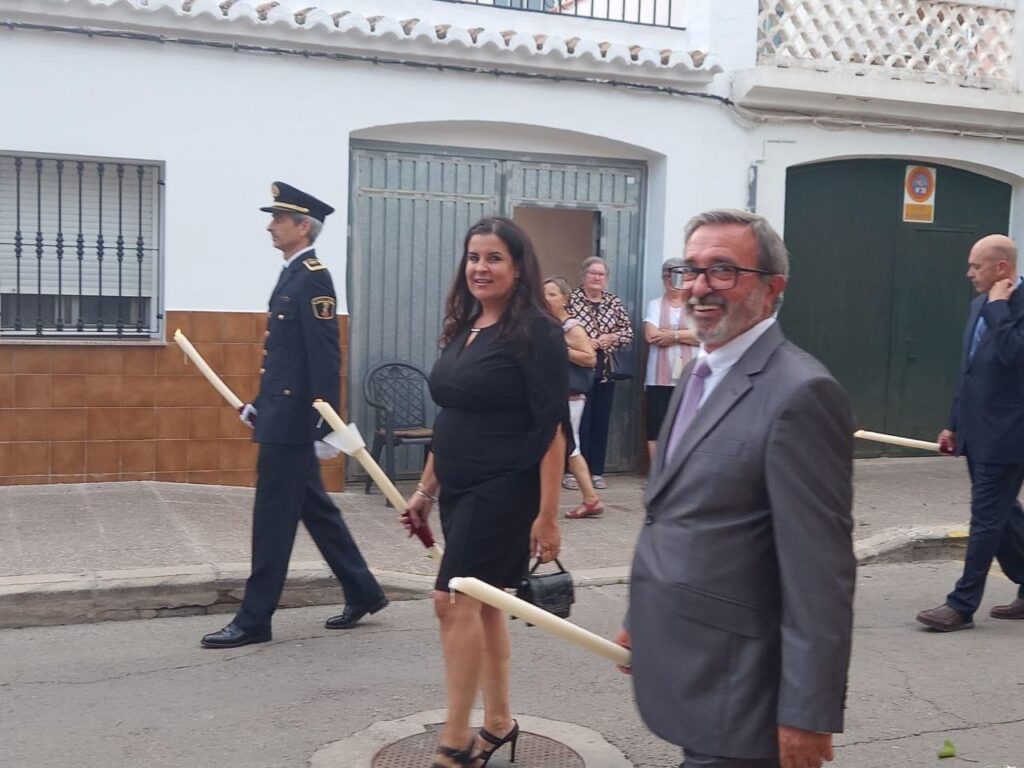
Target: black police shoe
(233, 636)
(353, 613)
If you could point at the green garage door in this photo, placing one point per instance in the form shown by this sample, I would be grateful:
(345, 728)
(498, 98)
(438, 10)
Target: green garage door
(883, 302)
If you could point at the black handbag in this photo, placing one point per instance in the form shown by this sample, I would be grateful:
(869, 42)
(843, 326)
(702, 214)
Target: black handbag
(621, 364)
(580, 379)
(551, 591)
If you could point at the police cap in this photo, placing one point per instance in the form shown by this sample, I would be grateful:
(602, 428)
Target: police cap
(288, 199)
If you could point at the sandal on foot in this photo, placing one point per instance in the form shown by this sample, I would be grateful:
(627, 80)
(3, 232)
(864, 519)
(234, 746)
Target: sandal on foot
(598, 481)
(485, 754)
(593, 509)
(457, 756)
(569, 483)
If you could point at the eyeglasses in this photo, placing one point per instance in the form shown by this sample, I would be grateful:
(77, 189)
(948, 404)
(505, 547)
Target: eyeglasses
(720, 277)
(592, 273)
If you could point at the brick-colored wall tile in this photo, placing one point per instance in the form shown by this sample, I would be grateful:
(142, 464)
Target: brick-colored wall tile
(31, 360)
(31, 391)
(139, 390)
(7, 423)
(171, 477)
(171, 361)
(6, 391)
(105, 360)
(140, 360)
(171, 391)
(67, 458)
(172, 456)
(171, 423)
(30, 459)
(103, 390)
(203, 423)
(207, 326)
(237, 454)
(138, 456)
(138, 423)
(238, 477)
(237, 360)
(6, 459)
(6, 360)
(69, 423)
(203, 455)
(102, 459)
(103, 424)
(69, 359)
(32, 424)
(67, 390)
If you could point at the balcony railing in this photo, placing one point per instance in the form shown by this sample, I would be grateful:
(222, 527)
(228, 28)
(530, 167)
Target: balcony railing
(972, 43)
(651, 13)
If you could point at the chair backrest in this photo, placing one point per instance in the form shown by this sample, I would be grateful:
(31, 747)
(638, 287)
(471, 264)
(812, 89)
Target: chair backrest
(398, 387)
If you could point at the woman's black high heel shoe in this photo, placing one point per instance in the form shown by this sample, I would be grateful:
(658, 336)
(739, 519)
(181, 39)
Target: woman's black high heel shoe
(512, 736)
(458, 756)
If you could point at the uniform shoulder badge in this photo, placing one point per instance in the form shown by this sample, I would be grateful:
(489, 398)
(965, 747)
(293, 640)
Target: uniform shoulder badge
(314, 265)
(323, 307)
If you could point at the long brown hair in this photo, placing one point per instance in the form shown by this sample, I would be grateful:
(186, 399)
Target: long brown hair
(462, 308)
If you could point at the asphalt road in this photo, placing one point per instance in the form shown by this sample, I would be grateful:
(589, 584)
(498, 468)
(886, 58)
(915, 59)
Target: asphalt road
(142, 693)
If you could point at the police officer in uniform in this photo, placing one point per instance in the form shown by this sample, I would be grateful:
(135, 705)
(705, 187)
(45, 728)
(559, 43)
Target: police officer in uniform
(302, 362)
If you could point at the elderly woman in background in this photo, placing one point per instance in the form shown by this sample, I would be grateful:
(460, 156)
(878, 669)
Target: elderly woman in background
(498, 452)
(582, 359)
(672, 345)
(606, 321)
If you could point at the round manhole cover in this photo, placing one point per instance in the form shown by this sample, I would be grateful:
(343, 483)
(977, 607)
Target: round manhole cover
(532, 751)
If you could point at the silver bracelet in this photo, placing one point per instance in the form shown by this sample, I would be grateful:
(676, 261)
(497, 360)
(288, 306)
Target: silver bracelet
(423, 492)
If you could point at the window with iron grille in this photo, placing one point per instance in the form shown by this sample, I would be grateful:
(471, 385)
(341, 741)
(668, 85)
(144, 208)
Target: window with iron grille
(79, 247)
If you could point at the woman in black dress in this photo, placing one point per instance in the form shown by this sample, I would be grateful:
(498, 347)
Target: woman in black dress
(496, 464)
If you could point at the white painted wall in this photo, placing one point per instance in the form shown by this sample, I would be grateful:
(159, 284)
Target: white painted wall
(228, 124)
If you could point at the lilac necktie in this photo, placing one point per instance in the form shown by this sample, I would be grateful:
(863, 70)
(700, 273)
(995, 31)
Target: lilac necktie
(688, 408)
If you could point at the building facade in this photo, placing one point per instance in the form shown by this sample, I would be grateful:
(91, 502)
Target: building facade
(142, 136)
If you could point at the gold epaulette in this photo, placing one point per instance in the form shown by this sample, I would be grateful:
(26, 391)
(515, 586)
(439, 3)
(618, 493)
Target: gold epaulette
(314, 265)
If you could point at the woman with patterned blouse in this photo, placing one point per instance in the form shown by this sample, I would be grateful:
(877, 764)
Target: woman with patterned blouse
(606, 321)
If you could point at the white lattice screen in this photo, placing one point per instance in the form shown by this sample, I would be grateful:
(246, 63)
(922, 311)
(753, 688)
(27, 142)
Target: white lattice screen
(966, 41)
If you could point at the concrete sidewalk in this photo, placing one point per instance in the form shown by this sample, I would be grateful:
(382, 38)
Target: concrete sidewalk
(93, 552)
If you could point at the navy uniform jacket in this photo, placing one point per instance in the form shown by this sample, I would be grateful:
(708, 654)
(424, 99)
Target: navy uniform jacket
(988, 409)
(302, 357)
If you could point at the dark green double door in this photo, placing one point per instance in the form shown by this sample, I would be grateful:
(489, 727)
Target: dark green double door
(882, 302)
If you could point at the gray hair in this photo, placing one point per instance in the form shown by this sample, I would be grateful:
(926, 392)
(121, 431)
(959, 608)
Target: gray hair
(670, 262)
(560, 283)
(315, 225)
(772, 255)
(591, 261)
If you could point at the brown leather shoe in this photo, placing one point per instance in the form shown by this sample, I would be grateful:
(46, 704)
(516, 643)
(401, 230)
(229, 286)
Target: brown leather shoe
(1014, 610)
(944, 619)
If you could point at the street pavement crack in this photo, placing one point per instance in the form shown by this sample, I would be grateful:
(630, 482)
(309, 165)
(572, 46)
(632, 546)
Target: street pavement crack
(957, 729)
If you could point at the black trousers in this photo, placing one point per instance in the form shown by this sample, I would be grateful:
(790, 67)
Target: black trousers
(695, 760)
(594, 425)
(289, 489)
(997, 531)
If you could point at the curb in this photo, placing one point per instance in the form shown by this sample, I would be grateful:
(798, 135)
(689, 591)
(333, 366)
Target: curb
(146, 593)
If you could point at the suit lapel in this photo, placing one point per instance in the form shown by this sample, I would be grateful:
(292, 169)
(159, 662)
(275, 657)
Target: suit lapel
(726, 395)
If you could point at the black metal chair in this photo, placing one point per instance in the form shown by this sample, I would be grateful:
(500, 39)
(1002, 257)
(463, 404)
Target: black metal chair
(397, 391)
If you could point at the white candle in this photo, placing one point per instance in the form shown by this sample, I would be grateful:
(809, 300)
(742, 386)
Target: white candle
(206, 370)
(905, 442)
(351, 442)
(550, 623)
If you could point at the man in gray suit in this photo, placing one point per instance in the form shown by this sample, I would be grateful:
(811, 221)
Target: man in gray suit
(741, 600)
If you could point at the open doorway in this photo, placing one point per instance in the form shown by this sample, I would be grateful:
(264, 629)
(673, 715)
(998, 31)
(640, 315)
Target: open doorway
(563, 238)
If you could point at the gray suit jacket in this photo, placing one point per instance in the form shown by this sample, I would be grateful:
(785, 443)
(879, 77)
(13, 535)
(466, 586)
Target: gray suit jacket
(741, 599)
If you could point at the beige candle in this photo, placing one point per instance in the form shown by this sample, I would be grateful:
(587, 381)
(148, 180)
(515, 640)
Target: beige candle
(206, 370)
(348, 439)
(550, 623)
(905, 442)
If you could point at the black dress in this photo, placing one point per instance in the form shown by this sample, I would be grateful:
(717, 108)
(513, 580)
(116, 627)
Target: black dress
(499, 410)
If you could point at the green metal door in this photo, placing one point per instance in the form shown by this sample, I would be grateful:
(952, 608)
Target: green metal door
(882, 302)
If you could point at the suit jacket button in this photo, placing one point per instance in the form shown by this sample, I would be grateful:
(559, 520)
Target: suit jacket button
(266, 333)
(263, 370)
(280, 317)
(287, 391)
(265, 353)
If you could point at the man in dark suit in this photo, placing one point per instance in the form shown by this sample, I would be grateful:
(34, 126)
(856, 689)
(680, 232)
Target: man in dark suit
(740, 612)
(302, 362)
(986, 424)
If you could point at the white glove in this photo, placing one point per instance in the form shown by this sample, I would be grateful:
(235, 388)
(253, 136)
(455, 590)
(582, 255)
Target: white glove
(248, 416)
(324, 450)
